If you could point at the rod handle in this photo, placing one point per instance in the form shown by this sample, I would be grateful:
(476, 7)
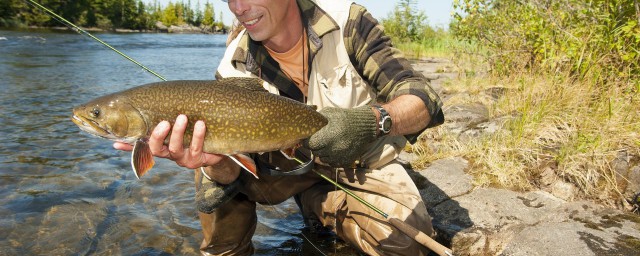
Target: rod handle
(421, 237)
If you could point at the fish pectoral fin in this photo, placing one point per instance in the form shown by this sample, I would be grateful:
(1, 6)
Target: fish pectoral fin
(290, 153)
(141, 158)
(246, 163)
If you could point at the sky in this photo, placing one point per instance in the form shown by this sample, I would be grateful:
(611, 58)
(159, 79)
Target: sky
(438, 12)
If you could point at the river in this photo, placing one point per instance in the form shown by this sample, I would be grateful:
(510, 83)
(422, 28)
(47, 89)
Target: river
(67, 193)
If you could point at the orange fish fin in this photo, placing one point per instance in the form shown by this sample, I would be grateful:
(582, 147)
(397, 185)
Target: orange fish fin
(246, 163)
(141, 158)
(289, 153)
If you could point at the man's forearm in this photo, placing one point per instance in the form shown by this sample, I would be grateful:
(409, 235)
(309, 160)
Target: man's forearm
(385, 68)
(409, 114)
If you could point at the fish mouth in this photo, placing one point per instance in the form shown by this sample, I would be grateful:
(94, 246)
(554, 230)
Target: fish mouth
(92, 127)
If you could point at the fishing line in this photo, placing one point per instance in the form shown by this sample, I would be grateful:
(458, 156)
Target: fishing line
(83, 32)
(441, 249)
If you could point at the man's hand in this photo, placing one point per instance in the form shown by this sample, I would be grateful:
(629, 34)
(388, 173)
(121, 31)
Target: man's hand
(191, 157)
(343, 140)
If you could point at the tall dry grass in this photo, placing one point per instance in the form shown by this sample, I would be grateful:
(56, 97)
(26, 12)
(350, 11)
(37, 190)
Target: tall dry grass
(574, 128)
(571, 112)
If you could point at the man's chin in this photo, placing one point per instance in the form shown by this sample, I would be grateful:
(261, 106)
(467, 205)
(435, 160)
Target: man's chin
(254, 37)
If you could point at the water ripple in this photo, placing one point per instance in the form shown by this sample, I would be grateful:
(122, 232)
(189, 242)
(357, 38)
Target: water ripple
(67, 193)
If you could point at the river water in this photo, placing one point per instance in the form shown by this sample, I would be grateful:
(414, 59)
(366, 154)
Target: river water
(67, 193)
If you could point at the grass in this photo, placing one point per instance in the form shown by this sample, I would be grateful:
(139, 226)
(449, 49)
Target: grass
(575, 128)
(437, 46)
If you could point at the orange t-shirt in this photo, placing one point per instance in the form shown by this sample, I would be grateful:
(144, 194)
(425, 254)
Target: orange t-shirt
(293, 63)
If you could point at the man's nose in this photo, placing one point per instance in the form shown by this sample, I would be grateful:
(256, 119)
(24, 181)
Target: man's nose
(239, 7)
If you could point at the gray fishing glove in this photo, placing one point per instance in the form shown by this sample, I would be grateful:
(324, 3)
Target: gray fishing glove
(343, 140)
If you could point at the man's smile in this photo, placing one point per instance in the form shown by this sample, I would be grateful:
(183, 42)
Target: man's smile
(252, 22)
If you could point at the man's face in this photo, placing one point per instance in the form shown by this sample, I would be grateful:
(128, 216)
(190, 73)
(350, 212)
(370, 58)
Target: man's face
(263, 19)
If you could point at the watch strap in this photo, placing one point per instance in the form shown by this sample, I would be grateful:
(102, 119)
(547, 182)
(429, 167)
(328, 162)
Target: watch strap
(384, 117)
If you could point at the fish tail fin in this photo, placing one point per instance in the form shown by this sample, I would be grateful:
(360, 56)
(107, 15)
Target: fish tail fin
(246, 163)
(141, 158)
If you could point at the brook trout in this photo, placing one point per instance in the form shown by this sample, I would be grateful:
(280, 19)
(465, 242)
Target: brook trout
(240, 116)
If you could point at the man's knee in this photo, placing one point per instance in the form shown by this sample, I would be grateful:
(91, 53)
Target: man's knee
(228, 229)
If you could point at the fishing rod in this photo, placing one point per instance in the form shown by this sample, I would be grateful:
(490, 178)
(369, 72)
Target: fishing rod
(83, 32)
(405, 228)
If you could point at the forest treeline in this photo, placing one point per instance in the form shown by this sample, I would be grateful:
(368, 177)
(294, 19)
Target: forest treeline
(109, 14)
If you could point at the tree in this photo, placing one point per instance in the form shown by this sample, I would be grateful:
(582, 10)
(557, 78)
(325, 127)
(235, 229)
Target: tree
(105, 14)
(143, 18)
(189, 15)
(198, 16)
(406, 23)
(209, 13)
(169, 14)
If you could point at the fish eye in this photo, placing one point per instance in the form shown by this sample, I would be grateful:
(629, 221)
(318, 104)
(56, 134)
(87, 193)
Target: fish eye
(95, 112)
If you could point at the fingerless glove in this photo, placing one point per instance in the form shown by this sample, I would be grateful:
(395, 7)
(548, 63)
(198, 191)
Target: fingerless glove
(343, 140)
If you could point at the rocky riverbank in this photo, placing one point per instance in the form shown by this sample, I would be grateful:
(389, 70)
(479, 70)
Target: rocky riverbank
(158, 28)
(183, 29)
(490, 221)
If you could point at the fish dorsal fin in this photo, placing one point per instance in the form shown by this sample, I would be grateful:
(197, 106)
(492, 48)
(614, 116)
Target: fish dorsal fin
(141, 158)
(249, 83)
(246, 163)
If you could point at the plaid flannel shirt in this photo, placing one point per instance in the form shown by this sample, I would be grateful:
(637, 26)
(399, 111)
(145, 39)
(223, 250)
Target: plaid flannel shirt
(369, 49)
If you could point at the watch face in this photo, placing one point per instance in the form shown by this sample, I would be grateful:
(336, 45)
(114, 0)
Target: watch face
(386, 124)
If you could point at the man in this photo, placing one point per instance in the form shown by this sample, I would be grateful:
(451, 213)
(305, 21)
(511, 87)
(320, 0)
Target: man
(334, 55)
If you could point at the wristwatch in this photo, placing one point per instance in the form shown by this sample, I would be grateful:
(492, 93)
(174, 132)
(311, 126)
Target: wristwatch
(384, 126)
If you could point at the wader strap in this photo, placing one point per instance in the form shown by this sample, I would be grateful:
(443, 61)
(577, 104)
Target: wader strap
(265, 168)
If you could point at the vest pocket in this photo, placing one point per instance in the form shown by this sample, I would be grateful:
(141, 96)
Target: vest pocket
(343, 87)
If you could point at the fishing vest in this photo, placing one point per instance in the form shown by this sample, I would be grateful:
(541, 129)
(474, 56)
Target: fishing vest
(333, 80)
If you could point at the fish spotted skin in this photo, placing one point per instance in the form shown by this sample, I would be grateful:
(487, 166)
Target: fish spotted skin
(240, 115)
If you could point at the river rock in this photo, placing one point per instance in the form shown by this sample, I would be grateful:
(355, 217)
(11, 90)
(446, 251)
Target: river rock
(161, 27)
(460, 118)
(563, 190)
(451, 177)
(634, 180)
(491, 221)
(579, 228)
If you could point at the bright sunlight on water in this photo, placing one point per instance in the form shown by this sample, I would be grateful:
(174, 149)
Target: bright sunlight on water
(67, 193)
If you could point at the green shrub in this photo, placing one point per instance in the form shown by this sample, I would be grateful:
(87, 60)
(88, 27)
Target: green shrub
(597, 39)
(571, 72)
(406, 23)
(408, 28)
